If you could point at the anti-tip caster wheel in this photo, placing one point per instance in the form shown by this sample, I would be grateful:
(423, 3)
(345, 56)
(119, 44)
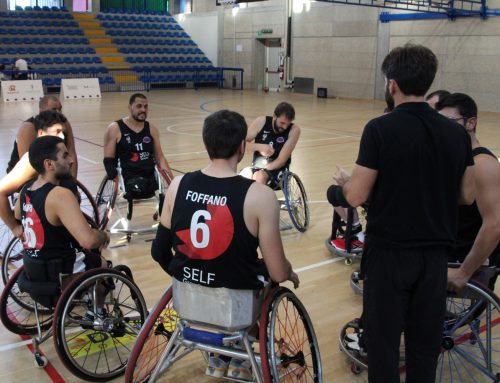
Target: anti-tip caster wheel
(356, 369)
(41, 361)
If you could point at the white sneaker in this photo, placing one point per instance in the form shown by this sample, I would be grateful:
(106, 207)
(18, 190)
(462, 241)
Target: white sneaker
(239, 369)
(216, 367)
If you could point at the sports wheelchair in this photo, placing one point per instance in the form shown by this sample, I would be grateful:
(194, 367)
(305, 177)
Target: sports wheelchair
(94, 320)
(11, 252)
(113, 196)
(229, 322)
(293, 199)
(339, 229)
(470, 345)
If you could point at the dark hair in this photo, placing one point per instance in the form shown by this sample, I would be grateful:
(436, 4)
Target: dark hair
(284, 108)
(441, 93)
(134, 96)
(41, 149)
(48, 118)
(413, 67)
(223, 132)
(465, 105)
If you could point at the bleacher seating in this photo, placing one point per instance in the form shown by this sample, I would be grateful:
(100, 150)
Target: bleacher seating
(153, 45)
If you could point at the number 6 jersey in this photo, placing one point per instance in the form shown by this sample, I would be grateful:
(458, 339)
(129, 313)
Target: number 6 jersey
(212, 244)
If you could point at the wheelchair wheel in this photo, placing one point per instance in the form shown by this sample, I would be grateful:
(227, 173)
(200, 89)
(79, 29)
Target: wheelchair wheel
(152, 340)
(17, 310)
(288, 345)
(95, 344)
(12, 260)
(87, 203)
(470, 348)
(296, 201)
(105, 200)
(5, 238)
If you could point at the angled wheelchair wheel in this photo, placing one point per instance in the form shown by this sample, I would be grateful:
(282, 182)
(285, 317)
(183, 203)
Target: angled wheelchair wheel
(5, 238)
(288, 345)
(17, 309)
(12, 260)
(95, 343)
(296, 201)
(152, 340)
(105, 200)
(470, 348)
(87, 202)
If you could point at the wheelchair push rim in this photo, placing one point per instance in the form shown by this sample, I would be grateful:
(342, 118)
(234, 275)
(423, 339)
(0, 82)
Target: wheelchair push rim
(288, 344)
(105, 200)
(96, 346)
(152, 340)
(296, 201)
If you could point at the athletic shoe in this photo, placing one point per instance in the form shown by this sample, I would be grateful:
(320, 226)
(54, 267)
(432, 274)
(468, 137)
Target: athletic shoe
(340, 245)
(240, 370)
(216, 367)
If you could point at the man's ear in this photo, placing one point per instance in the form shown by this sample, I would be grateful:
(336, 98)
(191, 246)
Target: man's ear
(393, 86)
(470, 124)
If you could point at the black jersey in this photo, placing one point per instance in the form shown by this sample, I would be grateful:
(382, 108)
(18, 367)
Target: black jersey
(135, 151)
(42, 240)
(268, 136)
(14, 156)
(470, 221)
(212, 244)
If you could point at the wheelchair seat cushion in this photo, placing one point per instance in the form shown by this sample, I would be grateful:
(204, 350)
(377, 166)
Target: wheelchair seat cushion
(44, 293)
(141, 187)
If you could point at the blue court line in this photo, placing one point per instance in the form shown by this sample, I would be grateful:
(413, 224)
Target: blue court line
(202, 106)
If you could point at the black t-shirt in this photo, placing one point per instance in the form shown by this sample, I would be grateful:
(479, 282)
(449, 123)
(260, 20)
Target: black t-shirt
(268, 136)
(135, 151)
(420, 157)
(212, 244)
(470, 221)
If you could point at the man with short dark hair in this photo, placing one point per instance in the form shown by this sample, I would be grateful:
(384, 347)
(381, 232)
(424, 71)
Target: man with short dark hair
(53, 225)
(215, 219)
(29, 131)
(274, 139)
(48, 122)
(478, 224)
(415, 166)
(135, 143)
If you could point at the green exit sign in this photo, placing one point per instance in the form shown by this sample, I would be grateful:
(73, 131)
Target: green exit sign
(266, 30)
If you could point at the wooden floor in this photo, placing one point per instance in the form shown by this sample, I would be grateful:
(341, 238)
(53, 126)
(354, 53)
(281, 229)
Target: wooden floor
(331, 130)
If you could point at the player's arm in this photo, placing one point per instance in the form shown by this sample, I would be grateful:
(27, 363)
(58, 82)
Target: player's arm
(487, 177)
(159, 156)
(254, 129)
(70, 144)
(9, 184)
(265, 205)
(111, 138)
(25, 136)
(352, 190)
(61, 208)
(467, 187)
(286, 150)
(161, 247)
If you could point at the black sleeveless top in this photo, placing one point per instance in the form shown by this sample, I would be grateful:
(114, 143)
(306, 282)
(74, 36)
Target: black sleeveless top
(470, 221)
(268, 136)
(14, 156)
(135, 151)
(212, 244)
(42, 240)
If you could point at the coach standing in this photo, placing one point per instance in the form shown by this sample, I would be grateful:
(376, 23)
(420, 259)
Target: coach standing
(416, 167)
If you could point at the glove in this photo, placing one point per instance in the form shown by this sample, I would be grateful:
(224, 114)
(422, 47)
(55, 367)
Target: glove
(110, 167)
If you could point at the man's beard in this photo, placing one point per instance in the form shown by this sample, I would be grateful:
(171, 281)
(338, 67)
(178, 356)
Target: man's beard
(389, 99)
(276, 128)
(137, 119)
(63, 175)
